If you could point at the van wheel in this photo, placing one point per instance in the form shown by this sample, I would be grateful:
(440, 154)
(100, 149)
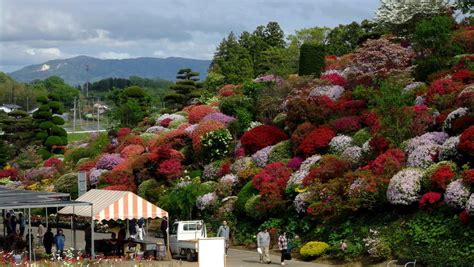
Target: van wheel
(190, 255)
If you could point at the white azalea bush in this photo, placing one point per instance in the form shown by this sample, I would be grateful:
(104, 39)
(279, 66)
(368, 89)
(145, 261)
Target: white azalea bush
(404, 187)
(456, 194)
(217, 144)
(339, 143)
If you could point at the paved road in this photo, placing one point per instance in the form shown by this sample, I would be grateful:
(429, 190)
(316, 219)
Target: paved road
(236, 257)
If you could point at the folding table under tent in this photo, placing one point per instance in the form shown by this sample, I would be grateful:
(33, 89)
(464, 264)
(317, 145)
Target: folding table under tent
(114, 205)
(26, 199)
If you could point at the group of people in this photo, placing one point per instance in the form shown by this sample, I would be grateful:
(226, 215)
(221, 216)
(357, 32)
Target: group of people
(48, 239)
(263, 243)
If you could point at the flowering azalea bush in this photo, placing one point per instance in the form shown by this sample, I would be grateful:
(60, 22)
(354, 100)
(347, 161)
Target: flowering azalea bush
(316, 141)
(206, 201)
(429, 199)
(197, 113)
(122, 132)
(466, 142)
(468, 177)
(52, 162)
(339, 143)
(329, 168)
(171, 169)
(261, 157)
(366, 190)
(441, 177)
(442, 93)
(404, 187)
(271, 183)
(346, 124)
(132, 150)
(203, 128)
(220, 117)
(388, 163)
(448, 150)
(456, 194)
(109, 161)
(331, 91)
(118, 178)
(470, 205)
(216, 143)
(334, 78)
(227, 90)
(260, 137)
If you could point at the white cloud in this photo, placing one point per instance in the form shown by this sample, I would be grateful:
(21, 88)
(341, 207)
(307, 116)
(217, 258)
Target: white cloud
(45, 52)
(113, 55)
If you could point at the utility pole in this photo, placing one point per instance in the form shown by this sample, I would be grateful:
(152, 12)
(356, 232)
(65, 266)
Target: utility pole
(98, 114)
(74, 117)
(87, 78)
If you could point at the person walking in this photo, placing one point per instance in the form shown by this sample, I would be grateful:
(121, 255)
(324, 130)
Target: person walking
(263, 243)
(22, 223)
(40, 233)
(59, 240)
(283, 247)
(224, 231)
(87, 239)
(164, 229)
(48, 240)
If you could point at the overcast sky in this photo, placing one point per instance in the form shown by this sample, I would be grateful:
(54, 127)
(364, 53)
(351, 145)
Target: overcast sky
(34, 31)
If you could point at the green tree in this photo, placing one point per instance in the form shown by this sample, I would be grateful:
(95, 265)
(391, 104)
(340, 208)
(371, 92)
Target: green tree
(56, 86)
(184, 90)
(131, 105)
(311, 59)
(18, 129)
(343, 39)
(48, 125)
(232, 61)
(273, 35)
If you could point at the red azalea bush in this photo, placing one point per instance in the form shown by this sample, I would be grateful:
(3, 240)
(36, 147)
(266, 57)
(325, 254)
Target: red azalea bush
(260, 137)
(118, 177)
(52, 162)
(10, 172)
(464, 217)
(176, 138)
(166, 122)
(334, 78)
(225, 169)
(86, 166)
(379, 145)
(371, 119)
(300, 133)
(464, 76)
(171, 169)
(388, 163)
(422, 119)
(428, 199)
(164, 152)
(271, 182)
(352, 107)
(131, 140)
(199, 112)
(466, 142)
(442, 177)
(466, 99)
(468, 177)
(330, 167)
(442, 93)
(346, 125)
(202, 128)
(132, 150)
(316, 141)
(227, 90)
(464, 37)
(118, 187)
(122, 132)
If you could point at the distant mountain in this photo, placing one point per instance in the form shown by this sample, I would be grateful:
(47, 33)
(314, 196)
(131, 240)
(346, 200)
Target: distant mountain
(73, 70)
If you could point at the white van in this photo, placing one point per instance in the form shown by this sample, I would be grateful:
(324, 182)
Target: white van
(184, 237)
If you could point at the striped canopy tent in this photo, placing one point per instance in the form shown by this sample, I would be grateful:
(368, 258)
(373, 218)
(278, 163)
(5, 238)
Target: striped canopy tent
(115, 205)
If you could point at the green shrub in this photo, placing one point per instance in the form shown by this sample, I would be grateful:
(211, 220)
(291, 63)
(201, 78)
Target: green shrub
(80, 153)
(281, 152)
(40, 136)
(360, 137)
(67, 184)
(46, 125)
(216, 144)
(45, 154)
(244, 195)
(238, 126)
(426, 67)
(57, 120)
(150, 190)
(251, 89)
(252, 210)
(313, 249)
(279, 120)
(311, 59)
(54, 141)
(230, 105)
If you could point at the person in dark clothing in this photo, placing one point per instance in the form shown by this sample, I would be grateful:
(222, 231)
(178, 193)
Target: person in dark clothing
(164, 229)
(21, 221)
(48, 240)
(113, 243)
(132, 228)
(13, 223)
(7, 223)
(122, 234)
(87, 238)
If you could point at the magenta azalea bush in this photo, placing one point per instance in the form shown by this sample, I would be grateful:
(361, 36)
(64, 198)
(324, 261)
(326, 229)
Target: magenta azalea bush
(206, 200)
(109, 161)
(218, 116)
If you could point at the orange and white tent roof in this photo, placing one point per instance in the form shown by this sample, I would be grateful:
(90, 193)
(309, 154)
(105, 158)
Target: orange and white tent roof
(115, 205)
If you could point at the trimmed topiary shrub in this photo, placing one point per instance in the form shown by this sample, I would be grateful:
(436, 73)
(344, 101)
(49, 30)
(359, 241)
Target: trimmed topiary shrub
(260, 137)
(313, 249)
(311, 59)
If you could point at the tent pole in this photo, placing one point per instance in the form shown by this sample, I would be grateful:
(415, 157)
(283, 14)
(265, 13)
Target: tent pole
(73, 227)
(30, 232)
(168, 252)
(92, 232)
(146, 234)
(47, 224)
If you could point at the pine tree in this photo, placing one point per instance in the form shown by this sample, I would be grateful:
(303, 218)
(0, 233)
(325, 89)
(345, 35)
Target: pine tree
(185, 88)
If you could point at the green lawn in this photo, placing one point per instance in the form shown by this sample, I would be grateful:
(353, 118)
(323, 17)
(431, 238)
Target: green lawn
(73, 137)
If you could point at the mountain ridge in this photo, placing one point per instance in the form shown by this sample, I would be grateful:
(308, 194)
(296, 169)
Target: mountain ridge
(73, 70)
